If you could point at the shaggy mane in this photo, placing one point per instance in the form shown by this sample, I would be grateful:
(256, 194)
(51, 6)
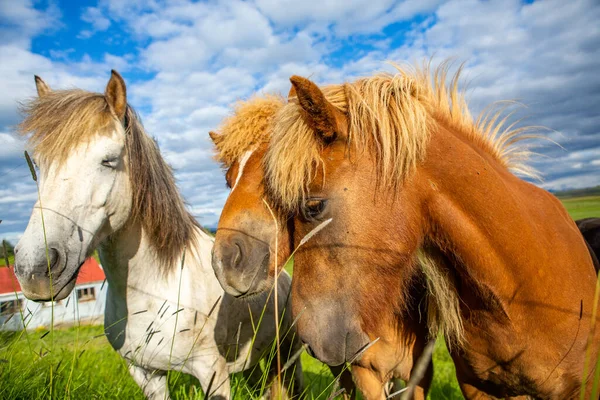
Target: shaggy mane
(63, 119)
(247, 127)
(391, 115)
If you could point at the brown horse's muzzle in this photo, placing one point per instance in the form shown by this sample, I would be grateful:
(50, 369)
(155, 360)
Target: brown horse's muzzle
(331, 334)
(241, 264)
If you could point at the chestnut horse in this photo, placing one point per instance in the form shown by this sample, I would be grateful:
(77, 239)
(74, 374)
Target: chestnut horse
(412, 184)
(250, 250)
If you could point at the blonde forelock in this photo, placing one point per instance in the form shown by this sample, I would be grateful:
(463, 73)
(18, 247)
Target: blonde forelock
(246, 128)
(393, 117)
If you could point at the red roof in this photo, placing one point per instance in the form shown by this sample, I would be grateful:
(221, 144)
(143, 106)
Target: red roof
(90, 272)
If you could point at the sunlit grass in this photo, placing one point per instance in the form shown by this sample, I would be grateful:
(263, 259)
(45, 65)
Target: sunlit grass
(583, 207)
(99, 372)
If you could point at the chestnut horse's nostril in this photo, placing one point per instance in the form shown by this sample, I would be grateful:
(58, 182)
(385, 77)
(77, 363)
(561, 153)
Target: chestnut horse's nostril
(237, 256)
(232, 255)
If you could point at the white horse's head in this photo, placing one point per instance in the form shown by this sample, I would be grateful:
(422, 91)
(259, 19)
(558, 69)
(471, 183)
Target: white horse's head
(79, 144)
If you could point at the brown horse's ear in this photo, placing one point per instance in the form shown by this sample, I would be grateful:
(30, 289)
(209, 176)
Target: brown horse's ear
(214, 136)
(322, 115)
(292, 92)
(116, 94)
(41, 86)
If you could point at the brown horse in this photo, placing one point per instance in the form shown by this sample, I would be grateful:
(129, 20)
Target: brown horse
(412, 184)
(245, 260)
(590, 229)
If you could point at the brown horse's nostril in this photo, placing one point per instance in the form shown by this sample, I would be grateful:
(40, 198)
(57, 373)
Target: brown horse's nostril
(232, 255)
(237, 256)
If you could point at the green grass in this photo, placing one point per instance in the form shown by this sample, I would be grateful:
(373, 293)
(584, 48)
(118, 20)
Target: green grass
(11, 260)
(84, 365)
(582, 207)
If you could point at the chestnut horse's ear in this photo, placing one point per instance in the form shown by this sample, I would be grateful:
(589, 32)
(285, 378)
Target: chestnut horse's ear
(292, 92)
(322, 115)
(41, 86)
(214, 136)
(116, 94)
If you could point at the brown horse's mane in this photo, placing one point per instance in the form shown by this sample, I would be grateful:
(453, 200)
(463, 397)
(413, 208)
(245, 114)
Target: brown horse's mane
(393, 116)
(62, 119)
(248, 126)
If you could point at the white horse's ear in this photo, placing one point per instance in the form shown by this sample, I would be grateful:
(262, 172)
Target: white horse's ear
(41, 86)
(116, 94)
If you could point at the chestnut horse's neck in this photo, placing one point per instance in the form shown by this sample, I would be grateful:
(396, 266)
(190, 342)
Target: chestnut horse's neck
(520, 263)
(508, 234)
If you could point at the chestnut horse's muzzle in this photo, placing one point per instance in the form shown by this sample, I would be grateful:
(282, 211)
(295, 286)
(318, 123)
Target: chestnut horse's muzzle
(331, 332)
(241, 264)
(336, 348)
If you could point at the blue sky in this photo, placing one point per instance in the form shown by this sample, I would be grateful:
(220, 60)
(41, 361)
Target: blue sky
(187, 62)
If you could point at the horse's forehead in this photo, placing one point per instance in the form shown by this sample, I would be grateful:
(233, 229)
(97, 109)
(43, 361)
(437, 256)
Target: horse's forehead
(253, 166)
(243, 160)
(112, 136)
(108, 142)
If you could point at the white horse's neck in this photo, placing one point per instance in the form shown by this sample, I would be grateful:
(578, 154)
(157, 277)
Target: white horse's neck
(133, 270)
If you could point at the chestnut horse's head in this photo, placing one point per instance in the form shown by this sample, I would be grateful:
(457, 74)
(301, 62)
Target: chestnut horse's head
(250, 241)
(350, 153)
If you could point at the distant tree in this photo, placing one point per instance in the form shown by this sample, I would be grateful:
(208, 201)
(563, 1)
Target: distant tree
(590, 191)
(10, 249)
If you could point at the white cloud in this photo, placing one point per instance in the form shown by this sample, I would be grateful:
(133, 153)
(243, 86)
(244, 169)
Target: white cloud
(11, 147)
(204, 56)
(16, 76)
(342, 17)
(12, 237)
(95, 17)
(20, 21)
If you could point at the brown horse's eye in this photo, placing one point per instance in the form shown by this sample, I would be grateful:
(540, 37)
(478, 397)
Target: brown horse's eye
(313, 209)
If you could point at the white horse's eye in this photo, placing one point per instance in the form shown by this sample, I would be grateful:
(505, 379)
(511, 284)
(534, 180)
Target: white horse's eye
(110, 162)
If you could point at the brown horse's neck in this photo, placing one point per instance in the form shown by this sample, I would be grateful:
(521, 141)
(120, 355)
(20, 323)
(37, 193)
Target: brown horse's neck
(508, 239)
(521, 269)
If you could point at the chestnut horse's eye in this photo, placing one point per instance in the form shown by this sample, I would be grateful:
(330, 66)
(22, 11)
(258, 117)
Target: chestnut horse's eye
(313, 209)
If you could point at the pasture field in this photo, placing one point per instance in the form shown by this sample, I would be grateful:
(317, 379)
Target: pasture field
(79, 363)
(84, 366)
(582, 207)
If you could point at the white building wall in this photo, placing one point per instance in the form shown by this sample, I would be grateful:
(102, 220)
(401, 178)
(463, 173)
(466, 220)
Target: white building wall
(66, 312)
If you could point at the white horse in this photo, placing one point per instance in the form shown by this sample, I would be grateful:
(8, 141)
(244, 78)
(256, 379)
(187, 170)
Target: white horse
(103, 184)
